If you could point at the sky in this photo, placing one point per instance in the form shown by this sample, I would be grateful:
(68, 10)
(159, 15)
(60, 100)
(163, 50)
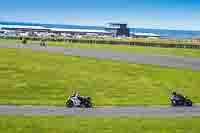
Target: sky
(158, 14)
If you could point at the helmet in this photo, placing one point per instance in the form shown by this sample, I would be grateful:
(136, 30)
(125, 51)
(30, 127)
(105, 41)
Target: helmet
(173, 93)
(76, 93)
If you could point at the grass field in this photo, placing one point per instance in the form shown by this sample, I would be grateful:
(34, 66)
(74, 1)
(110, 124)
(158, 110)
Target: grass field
(126, 48)
(60, 124)
(9, 40)
(28, 77)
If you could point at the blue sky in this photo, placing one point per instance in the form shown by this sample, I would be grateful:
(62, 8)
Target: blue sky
(162, 14)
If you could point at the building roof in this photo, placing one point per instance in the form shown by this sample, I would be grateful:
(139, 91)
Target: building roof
(146, 34)
(117, 23)
(77, 30)
(22, 27)
(53, 29)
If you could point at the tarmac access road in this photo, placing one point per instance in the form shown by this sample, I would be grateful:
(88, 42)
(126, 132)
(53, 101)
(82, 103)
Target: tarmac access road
(161, 60)
(149, 111)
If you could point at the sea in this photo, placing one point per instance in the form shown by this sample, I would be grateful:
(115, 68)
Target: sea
(171, 34)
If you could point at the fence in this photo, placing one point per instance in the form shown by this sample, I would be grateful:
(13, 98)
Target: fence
(112, 42)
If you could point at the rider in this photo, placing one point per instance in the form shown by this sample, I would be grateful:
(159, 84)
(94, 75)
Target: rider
(176, 96)
(42, 42)
(77, 94)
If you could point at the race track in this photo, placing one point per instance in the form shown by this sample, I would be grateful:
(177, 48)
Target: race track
(161, 60)
(154, 111)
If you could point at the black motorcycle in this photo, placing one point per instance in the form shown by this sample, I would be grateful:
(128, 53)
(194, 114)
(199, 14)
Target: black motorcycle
(181, 101)
(86, 102)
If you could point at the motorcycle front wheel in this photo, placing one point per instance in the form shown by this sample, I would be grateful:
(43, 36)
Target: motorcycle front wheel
(69, 104)
(173, 103)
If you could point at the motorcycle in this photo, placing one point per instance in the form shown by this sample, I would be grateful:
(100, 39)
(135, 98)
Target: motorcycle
(82, 102)
(43, 43)
(181, 101)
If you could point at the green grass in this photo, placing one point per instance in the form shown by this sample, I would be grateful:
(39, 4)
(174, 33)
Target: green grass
(28, 77)
(126, 48)
(61, 124)
(9, 40)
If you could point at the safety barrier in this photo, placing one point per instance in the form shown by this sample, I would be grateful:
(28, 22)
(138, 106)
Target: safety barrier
(112, 42)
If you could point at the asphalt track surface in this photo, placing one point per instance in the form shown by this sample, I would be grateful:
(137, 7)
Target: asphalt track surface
(154, 111)
(163, 111)
(161, 60)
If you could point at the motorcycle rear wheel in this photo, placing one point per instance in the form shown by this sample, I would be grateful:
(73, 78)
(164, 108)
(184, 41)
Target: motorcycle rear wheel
(188, 103)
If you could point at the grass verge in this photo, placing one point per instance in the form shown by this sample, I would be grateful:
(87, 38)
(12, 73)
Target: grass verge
(61, 124)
